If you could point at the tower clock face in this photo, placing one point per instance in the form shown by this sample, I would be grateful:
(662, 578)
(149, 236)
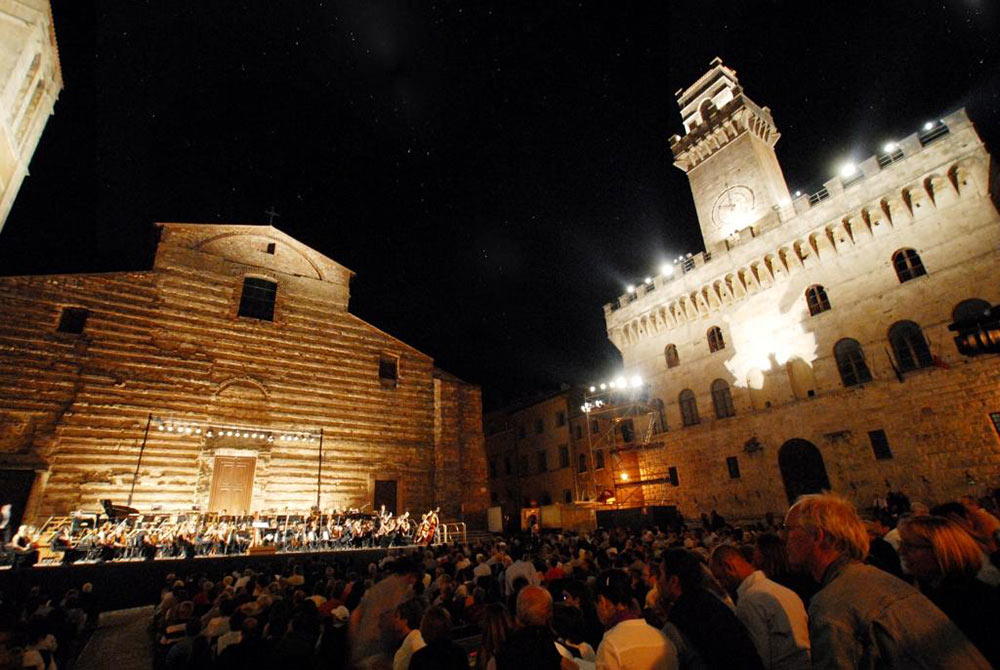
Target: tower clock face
(732, 208)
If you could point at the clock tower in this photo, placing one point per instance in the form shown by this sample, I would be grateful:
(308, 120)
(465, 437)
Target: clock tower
(727, 151)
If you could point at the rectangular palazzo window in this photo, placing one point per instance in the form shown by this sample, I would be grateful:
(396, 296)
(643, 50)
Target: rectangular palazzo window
(880, 445)
(257, 300)
(733, 463)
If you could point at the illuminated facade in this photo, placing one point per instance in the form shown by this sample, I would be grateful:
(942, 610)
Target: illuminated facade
(808, 347)
(231, 376)
(30, 81)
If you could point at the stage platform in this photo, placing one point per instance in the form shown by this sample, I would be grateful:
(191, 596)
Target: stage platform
(124, 584)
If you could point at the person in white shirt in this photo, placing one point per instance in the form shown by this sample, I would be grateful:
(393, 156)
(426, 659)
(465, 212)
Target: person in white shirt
(407, 623)
(629, 642)
(774, 615)
(482, 568)
(522, 567)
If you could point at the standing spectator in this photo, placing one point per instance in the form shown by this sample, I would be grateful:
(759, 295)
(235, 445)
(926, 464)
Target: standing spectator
(629, 643)
(370, 628)
(773, 614)
(945, 560)
(521, 567)
(863, 617)
(704, 630)
(881, 554)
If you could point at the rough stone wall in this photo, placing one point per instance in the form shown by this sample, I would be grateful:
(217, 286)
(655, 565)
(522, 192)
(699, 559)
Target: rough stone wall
(459, 452)
(168, 343)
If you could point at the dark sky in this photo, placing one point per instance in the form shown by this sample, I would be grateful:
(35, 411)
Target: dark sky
(494, 172)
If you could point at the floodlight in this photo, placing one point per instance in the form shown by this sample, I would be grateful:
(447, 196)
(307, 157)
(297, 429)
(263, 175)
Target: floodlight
(889, 147)
(848, 170)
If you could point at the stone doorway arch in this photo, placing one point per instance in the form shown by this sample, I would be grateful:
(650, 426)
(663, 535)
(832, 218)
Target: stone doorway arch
(802, 468)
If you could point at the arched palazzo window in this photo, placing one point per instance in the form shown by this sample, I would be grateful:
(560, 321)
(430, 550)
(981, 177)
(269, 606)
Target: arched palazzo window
(908, 265)
(851, 362)
(715, 341)
(673, 360)
(722, 399)
(970, 309)
(689, 408)
(909, 346)
(817, 300)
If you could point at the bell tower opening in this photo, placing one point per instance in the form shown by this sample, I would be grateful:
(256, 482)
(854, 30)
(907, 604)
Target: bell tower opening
(727, 151)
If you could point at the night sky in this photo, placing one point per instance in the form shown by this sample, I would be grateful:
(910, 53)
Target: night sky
(494, 172)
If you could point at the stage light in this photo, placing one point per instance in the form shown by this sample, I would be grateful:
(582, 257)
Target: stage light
(630, 288)
(666, 269)
(254, 436)
(928, 125)
(229, 433)
(611, 384)
(593, 388)
(620, 382)
(649, 280)
(889, 147)
(848, 170)
(636, 381)
(161, 427)
(209, 434)
(170, 428)
(604, 387)
(197, 431)
(624, 476)
(798, 194)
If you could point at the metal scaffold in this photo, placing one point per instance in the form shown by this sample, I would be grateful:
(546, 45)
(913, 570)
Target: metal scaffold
(625, 423)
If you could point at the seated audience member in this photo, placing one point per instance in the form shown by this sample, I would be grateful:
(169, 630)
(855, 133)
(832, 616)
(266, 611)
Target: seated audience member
(770, 558)
(629, 642)
(532, 645)
(439, 653)
(576, 594)
(496, 626)
(567, 622)
(700, 625)
(863, 617)
(773, 614)
(406, 619)
(945, 560)
(881, 554)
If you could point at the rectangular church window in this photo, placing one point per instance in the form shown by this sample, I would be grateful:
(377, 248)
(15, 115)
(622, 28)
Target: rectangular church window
(257, 300)
(388, 370)
(72, 320)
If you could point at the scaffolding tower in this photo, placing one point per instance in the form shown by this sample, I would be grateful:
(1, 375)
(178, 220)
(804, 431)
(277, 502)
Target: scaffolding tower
(630, 425)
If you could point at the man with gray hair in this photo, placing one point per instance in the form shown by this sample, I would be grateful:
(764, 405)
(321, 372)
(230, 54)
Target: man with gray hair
(863, 617)
(533, 645)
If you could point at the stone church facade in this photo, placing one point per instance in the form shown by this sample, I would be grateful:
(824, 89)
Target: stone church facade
(808, 347)
(231, 376)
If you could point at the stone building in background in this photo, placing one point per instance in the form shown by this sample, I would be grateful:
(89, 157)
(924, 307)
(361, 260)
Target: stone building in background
(30, 81)
(235, 372)
(808, 346)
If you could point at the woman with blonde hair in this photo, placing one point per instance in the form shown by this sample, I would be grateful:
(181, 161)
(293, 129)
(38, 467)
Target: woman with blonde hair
(945, 559)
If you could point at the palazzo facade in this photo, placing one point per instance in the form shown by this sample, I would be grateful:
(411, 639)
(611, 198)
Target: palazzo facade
(230, 377)
(808, 346)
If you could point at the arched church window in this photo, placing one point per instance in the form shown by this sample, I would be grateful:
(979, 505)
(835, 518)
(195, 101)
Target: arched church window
(722, 399)
(715, 341)
(673, 359)
(908, 265)
(689, 407)
(909, 346)
(851, 362)
(817, 300)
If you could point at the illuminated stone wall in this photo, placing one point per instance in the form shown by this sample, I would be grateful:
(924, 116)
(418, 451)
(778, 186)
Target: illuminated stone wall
(168, 342)
(30, 81)
(933, 197)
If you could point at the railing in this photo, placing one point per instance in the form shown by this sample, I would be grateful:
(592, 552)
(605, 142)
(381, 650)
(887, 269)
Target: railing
(885, 160)
(853, 179)
(819, 196)
(453, 532)
(932, 134)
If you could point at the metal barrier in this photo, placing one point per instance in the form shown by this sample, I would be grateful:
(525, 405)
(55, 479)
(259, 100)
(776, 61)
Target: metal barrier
(453, 532)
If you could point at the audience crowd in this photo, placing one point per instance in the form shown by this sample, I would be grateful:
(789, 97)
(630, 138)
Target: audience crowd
(909, 587)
